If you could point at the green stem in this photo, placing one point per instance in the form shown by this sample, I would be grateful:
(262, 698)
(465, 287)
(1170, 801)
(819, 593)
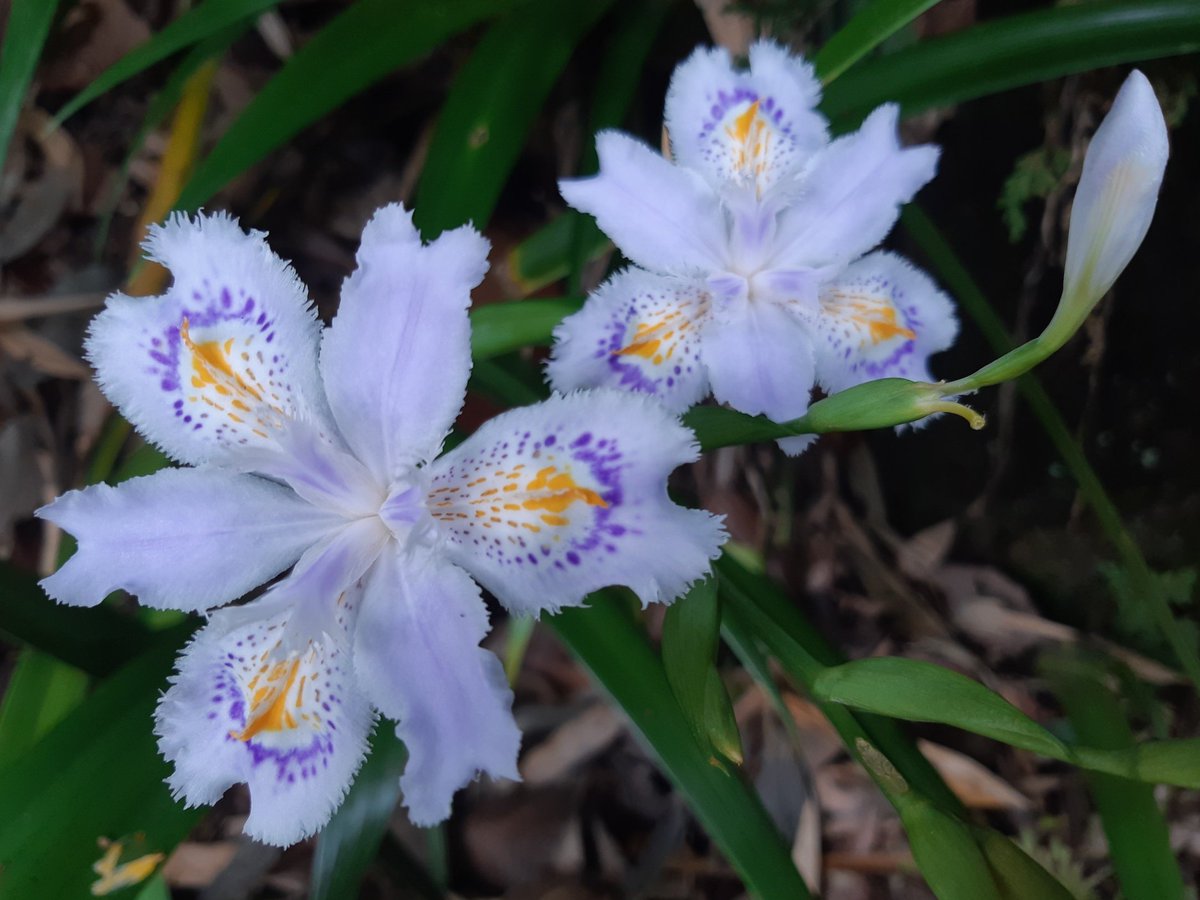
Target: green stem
(973, 301)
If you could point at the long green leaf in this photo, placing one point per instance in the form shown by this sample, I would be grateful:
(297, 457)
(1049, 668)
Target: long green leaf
(24, 34)
(756, 610)
(96, 775)
(922, 692)
(904, 775)
(348, 844)
(500, 328)
(946, 852)
(491, 106)
(615, 650)
(40, 692)
(689, 645)
(97, 640)
(195, 25)
(1018, 50)
(874, 24)
(1138, 839)
(356, 49)
(561, 246)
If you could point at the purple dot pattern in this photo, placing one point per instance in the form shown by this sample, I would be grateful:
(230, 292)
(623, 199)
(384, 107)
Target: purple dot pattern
(238, 389)
(284, 712)
(652, 343)
(870, 327)
(746, 137)
(547, 500)
(640, 333)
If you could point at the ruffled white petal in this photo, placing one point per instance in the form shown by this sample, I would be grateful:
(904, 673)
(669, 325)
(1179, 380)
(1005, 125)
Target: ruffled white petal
(221, 360)
(418, 658)
(881, 318)
(291, 725)
(396, 359)
(756, 128)
(760, 360)
(638, 332)
(549, 502)
(663, 217)
(851, 195)
(1118, 190)
(184, 539)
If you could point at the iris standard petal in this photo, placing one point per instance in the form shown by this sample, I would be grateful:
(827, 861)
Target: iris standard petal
(418, 658)
(851, 195)
(757, 127)
(760, 360)
(880, 318)
(396, 359)
(184, 539)
(293, 726)
(638, 332)
(546, 503)
(1118, 190)
(663, 217)
(222, 359)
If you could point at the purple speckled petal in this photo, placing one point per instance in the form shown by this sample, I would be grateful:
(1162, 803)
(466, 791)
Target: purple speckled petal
(396, 359)
(757, 127)
(180, 539)
(547, 503)
(417, 655)
(638, 332)
(222, 359)
(292, 726)
(881, 318)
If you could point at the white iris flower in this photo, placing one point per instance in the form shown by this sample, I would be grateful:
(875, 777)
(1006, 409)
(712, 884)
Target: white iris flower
(753, 275)
(317, 449)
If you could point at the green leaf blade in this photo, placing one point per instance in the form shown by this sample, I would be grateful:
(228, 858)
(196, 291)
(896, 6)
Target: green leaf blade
(24, 35)
(500, 328)
(385, 34)
(41, 691)
(616, 652)
(1014, 51)
(874, 24)
(491, 106)
(347, 846)
(97, 774)
(195, 25)
(922, 692)
(1138, 838)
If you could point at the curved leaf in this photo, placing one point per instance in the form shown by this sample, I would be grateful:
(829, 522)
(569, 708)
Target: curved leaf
(492, 104)
(384, 35)
(96, 775)
(24, 34)
(608, 642)
(192, 27)
(874, 24)
(1014, 51)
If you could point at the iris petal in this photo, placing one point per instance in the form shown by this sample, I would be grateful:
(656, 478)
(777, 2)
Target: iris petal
(184, 539)
(418, 658)
(549, 502)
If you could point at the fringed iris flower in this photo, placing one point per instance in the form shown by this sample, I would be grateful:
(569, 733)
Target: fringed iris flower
(754, 278)
(317, 450)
